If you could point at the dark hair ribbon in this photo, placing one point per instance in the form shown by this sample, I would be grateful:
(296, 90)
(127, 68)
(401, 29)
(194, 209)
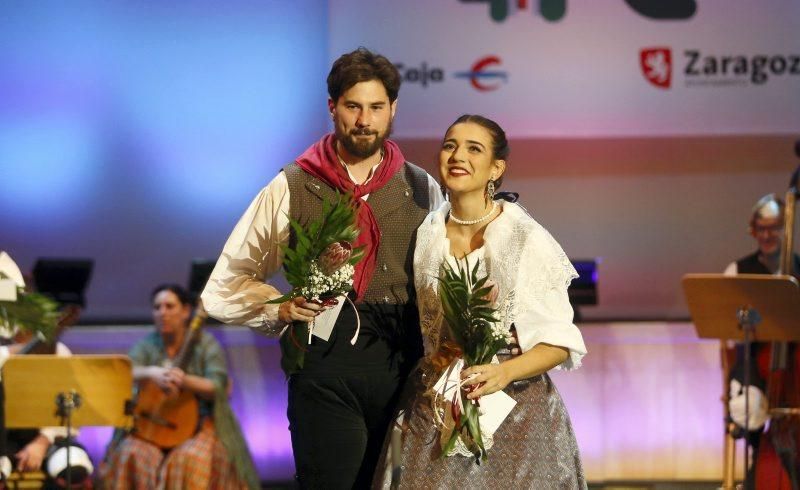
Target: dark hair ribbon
(507, 196)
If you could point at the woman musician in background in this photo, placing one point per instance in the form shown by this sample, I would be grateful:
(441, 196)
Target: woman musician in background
(209, 458)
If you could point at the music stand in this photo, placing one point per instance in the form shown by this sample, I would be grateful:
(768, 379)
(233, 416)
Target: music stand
(64, 280)
(198, 276)
(745, 307)
(87, 389)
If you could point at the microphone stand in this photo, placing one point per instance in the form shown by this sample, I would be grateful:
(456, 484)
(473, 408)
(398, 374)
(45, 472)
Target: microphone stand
(66, 403)
(748, 319)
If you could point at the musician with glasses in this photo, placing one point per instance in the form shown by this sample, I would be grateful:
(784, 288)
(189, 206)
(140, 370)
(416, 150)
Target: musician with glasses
(774, 461)
(766, 226)
(207, 459)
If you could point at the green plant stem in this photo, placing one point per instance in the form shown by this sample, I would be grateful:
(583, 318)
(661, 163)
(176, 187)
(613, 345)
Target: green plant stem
(293, 347)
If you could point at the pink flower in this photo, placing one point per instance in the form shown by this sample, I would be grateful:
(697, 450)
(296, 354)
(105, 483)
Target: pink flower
(334, 256)
(491, 296)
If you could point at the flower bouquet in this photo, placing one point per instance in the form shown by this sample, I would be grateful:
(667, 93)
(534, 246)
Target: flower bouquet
(319, 268)
(468, 309)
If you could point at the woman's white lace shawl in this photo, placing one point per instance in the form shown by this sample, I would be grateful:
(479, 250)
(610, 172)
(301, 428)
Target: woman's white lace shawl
(531, 270)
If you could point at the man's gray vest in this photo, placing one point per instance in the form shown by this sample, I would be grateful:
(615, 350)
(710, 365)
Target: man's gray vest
(400, 206)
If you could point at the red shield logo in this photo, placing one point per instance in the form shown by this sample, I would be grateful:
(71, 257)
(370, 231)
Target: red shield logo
(656, 66)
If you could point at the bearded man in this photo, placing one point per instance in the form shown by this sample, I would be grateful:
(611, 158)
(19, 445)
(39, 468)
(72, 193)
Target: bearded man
(341, 401)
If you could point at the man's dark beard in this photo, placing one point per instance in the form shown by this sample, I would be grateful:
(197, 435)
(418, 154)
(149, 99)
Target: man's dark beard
(363, 148)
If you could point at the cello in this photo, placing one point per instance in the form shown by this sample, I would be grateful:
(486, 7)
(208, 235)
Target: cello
(777, 464)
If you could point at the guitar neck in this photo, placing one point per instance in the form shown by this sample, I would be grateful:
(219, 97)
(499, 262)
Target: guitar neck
(192, 337)
(38, 346)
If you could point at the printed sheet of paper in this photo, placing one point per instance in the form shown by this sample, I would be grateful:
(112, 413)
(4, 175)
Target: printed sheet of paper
(494, 408)
(324, 322)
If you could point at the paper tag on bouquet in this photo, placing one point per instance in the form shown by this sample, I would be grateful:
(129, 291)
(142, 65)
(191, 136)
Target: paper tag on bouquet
(448, 383)
(494, 408)
(324, 322)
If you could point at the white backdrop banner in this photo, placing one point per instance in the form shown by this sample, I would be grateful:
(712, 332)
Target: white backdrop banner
(586, 68)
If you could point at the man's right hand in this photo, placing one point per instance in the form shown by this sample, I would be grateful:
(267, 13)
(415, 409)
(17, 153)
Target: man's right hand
(298, 309)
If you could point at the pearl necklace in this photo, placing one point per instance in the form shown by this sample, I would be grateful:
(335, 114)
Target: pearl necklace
(473, 221)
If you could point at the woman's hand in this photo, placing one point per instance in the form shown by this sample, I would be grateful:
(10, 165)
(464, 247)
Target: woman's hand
(168, 379)
(486, 379)
(298, 309)
(540, 359)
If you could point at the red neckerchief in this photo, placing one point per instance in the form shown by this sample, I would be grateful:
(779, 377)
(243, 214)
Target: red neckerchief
(321, 161)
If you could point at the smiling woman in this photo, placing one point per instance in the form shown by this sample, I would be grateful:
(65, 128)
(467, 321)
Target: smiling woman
(533, 445)
(471, 167)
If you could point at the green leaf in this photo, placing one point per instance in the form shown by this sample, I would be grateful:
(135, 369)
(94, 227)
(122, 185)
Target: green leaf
(32, 312)
(450, 443)
(277, 301)
(474, 274)
(293, 349)
(474, 427)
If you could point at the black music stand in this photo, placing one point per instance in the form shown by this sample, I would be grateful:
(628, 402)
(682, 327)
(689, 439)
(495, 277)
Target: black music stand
(582, 290)
(198, 275)
(745, 307)
(64, 280)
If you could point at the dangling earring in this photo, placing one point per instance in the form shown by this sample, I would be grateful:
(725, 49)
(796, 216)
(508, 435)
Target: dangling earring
(490, 190)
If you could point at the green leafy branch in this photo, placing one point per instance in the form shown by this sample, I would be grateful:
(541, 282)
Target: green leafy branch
(470, 317)
(468, 312)
(32, 312)
(337, 224)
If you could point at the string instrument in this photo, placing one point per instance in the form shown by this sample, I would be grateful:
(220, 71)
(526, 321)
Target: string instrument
(777, 461)
(777, 465)
(163, 419)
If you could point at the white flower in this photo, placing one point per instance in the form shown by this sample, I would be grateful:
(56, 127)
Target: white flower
(319, 284)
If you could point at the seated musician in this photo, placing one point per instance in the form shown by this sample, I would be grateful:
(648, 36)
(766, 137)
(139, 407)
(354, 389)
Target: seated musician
(769, 461)
(207, 459)
(44, 448)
